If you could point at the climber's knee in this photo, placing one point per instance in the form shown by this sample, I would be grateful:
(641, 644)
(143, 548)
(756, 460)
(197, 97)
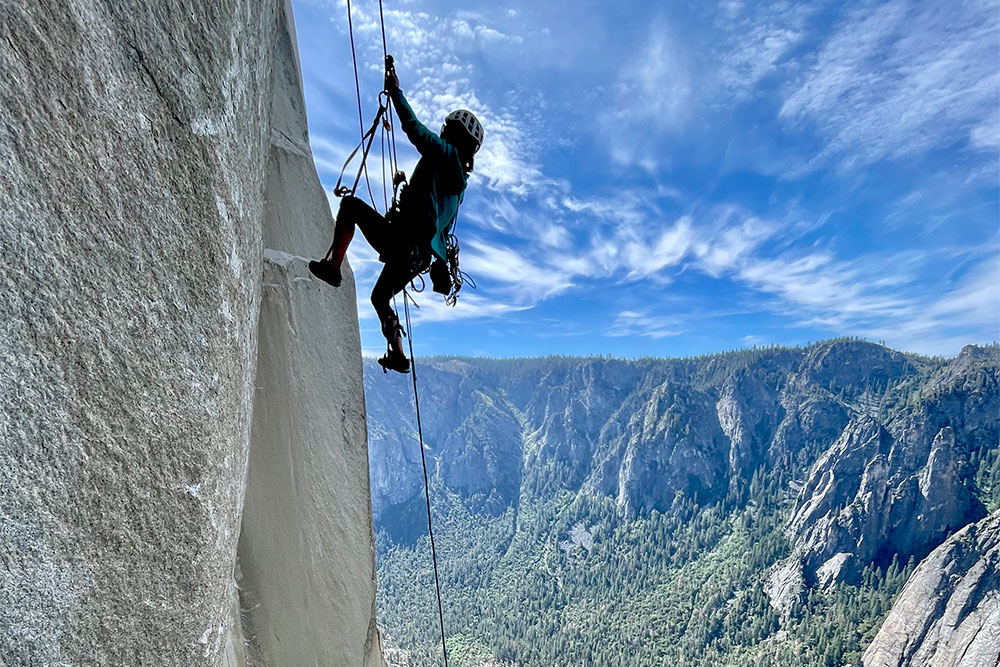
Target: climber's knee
(347, 214)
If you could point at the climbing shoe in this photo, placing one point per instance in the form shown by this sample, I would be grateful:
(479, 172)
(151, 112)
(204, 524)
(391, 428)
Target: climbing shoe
(326, 271)
(394, 361)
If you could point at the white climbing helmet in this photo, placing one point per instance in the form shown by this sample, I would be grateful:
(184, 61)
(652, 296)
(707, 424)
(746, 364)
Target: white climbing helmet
(469, 121)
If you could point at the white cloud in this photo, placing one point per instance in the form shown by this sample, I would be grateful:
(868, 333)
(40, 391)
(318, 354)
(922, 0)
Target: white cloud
(734, 241)
(505, 265)
(470, 306)
(817, 283)
(644, 324)
(436, 58)
(656, 86)
(754, 41)
(986, 136)
(867, 297)
(754, 340)
(689, 76)
(900, 79)
(645, 257)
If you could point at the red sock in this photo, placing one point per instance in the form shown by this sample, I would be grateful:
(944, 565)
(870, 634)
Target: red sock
(342, 235)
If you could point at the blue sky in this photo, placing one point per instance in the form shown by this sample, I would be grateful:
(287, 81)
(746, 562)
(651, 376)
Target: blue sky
(671, 179)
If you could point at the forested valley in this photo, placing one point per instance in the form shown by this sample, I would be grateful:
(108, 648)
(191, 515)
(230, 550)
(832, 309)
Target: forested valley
(759, 507)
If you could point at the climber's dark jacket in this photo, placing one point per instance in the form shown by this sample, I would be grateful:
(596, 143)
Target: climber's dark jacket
(430, 200)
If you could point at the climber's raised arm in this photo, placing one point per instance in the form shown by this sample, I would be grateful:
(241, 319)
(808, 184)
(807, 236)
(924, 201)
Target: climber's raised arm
(425, 141)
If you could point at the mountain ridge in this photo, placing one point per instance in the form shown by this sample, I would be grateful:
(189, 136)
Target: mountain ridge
(651, 439)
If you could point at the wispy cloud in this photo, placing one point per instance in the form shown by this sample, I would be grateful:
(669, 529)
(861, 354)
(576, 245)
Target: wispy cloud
(504, 265)
(656, 88)
(900, 78)
(645, 324)
(867, 297)
(440, 75)
(941, 324)
(756, 40)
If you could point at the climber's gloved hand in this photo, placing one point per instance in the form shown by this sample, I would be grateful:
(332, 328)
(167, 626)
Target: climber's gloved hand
(391, 82)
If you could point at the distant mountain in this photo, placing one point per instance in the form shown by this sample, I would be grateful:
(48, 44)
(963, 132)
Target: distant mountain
(753, 507)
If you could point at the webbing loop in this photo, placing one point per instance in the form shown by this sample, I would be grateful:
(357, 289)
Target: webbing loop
(364, 146)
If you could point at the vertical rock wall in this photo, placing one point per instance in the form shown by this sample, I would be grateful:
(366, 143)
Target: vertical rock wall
(306, 546)
(132, 168)
(136, 156)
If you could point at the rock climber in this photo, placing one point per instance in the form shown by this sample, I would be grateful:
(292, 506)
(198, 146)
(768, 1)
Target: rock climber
(418, 231)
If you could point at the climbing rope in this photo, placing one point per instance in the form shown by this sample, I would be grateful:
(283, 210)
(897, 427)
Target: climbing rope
(397, 176)
(423, 461)
(385, 118)
(361, 116)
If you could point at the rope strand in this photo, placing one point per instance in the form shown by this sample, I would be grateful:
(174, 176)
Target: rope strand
(423, 460)
(357, 88)
(393, 167)
(393, 159)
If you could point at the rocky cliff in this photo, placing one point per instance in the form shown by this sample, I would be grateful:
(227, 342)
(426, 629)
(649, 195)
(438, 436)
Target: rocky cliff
(948, 614)
(168, 371)
(898, 482)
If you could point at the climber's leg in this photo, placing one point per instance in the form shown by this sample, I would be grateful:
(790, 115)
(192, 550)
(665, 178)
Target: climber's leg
(391, 282)
(353, 212)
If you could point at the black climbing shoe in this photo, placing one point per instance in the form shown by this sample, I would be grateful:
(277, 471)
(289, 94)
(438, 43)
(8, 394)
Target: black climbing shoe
(326, 271)
(394, 361)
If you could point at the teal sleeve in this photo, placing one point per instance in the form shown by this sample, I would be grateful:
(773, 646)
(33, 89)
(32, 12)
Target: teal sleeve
(423, 139)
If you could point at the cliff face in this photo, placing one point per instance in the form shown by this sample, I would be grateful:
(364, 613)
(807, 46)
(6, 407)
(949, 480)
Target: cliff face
(150, 153)
(948, 614)
(899, 485)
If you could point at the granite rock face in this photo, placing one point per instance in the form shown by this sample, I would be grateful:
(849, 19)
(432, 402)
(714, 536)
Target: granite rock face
(146, 164)
(948, 614)
(749, 412)
(899, 486)
(785, 586)
(305, 553)
(131, 195)
(671, 442)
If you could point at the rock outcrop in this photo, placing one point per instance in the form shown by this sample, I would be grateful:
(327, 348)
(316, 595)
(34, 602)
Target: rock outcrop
(749, 413)
(785, 586)
(948, 614)
(898, 486)
(669, 442)
(151, 151)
